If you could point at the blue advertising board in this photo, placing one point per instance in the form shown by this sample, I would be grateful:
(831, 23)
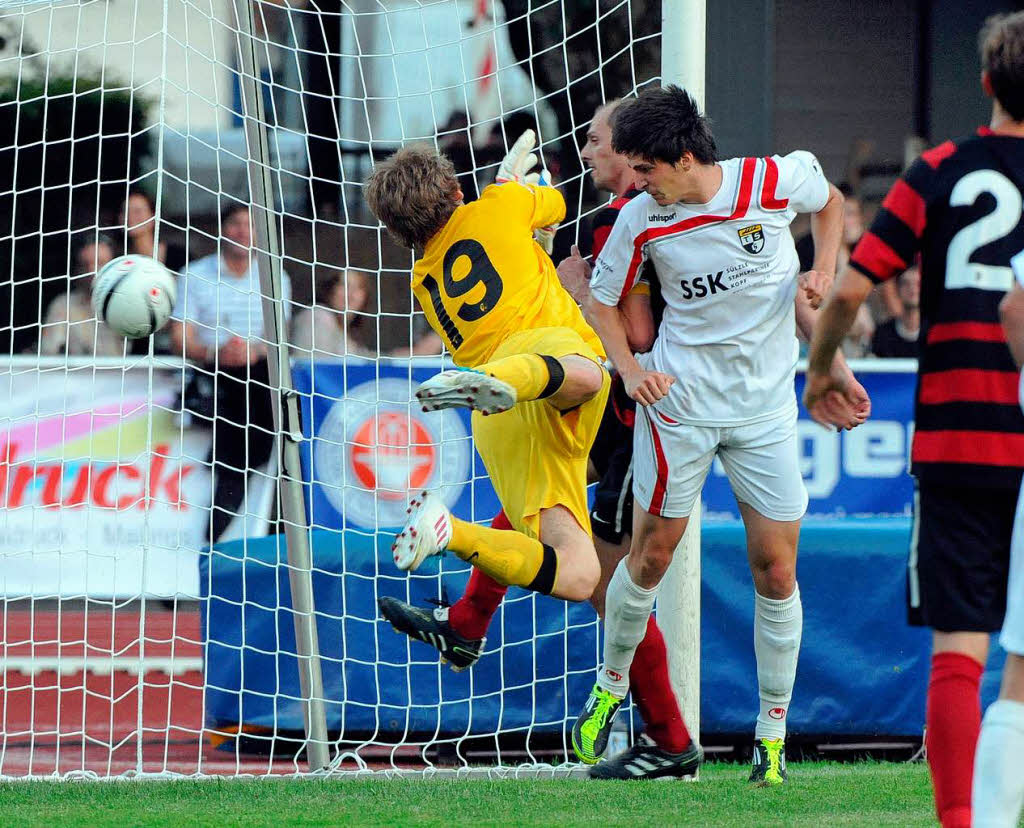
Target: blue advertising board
(368, 445)
(859, 473)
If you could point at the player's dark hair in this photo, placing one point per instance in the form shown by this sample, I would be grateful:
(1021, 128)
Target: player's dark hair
(661, 125)
(1001, 43)
(228, 211)
(145, 195)
(413, 194)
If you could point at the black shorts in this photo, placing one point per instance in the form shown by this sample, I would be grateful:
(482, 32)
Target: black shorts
(960, 558)
(612, 455)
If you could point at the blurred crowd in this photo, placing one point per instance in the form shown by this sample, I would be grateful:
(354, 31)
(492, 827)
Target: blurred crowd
(340, 322)
(342, 318)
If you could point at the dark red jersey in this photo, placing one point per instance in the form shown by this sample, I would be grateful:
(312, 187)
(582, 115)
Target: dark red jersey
(603, 222)
(959, 208)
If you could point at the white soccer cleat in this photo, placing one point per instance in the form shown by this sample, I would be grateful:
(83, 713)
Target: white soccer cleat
(427, 532)
(466, 389)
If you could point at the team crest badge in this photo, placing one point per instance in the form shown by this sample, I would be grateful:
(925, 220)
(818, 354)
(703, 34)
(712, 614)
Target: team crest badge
(752, 238)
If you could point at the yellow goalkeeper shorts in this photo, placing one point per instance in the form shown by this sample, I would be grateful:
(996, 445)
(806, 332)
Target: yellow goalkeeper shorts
(536, 455)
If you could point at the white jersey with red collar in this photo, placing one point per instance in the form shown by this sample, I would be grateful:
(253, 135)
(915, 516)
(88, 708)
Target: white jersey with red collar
(728, 272)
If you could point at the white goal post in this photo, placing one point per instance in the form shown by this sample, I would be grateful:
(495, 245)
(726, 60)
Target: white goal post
(683, 31)
(132, 645)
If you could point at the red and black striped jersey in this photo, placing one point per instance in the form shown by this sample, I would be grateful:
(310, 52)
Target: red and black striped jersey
(602, 225)
(959, 208)
(604, 220)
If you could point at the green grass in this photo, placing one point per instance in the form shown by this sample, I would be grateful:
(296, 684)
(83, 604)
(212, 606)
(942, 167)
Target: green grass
(818, 794)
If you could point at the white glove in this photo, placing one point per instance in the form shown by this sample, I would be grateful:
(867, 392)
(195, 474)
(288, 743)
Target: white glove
(544, 236)
(520, 159)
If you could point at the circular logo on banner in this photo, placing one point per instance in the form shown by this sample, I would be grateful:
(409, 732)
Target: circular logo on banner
(376, 445)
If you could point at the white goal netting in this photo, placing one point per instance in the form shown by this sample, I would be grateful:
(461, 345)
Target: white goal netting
(129, 645)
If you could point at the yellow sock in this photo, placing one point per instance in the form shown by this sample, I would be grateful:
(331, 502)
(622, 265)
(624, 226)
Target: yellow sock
(529, 374)
(510, 557)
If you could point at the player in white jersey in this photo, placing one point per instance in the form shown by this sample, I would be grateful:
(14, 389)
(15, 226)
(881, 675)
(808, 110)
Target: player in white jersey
(718, 382)
(998, 795)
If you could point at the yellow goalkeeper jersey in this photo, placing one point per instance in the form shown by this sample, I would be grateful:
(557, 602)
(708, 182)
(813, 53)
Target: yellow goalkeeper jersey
(483, 277)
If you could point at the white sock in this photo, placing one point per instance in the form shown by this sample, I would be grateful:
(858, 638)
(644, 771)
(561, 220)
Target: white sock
(998, 794)
(778, 625)
(627, 609)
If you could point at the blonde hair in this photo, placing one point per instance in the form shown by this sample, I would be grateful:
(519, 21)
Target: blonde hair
(413, 194)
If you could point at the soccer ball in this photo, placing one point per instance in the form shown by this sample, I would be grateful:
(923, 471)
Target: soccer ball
(134, 295)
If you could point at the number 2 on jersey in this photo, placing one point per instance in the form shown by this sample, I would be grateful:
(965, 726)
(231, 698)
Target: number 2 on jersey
(961, 272)
(481, 272)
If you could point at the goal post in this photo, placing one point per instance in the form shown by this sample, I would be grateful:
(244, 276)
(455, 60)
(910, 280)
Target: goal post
(265, 221)
(683, 32)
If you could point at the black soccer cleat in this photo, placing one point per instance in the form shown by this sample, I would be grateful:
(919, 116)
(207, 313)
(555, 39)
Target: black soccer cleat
(432, 627)
(645, 760)
(769, 764)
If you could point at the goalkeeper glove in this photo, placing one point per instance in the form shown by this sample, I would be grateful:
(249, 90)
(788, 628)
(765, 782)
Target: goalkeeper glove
(544, 236)
(519, 160)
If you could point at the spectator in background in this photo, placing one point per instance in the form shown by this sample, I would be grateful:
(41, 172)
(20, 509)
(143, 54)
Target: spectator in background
(70, 326)
(138, 217)
(425, 342)
(898, 336)
(853, 229)
(218, 323)
(857, 343)
(336, 325)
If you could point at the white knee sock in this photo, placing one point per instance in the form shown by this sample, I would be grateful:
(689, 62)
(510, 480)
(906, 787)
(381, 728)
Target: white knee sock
(778, 625)
(998, 794)
(627, 610)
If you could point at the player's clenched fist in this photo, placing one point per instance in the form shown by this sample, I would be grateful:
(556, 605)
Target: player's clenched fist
(816, 286)
(647, 387)
(574, 274)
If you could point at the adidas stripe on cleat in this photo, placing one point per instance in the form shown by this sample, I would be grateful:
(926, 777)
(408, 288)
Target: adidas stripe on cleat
(591, 729)
(432, 628)
(645, 760)
(427, 532)
(769, 764)
(466, 388)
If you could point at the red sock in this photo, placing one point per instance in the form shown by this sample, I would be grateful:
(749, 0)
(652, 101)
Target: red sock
(954, 720)
(652, 692)
(471, 614)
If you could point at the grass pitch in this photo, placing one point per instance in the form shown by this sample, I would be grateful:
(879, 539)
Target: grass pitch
(818, 794)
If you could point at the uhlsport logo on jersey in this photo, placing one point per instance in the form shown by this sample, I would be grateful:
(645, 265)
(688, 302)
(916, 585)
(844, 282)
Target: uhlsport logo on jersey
(752, 238)
(375, 446)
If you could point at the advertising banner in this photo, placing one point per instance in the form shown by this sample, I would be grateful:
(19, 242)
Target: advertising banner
(859, 473)
(369, 445)
(101, 494)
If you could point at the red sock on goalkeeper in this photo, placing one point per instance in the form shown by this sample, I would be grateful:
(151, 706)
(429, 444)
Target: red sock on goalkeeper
(649, 682)
(472, 613)
(652, 692)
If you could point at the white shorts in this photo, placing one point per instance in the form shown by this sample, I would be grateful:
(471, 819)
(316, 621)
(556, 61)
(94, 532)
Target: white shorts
(1012, 636)
(672, 459)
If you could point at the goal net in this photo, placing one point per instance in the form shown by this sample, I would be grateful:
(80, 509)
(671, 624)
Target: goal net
(165, 610)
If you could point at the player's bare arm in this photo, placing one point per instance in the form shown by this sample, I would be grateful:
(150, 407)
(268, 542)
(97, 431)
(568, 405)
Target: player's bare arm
(646, 387)
(827, 232)
(832, 325)
(574, 274)
(851, 407)
(1011, 313)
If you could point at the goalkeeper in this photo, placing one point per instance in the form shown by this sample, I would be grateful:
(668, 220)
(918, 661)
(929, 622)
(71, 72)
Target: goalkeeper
(534, 379)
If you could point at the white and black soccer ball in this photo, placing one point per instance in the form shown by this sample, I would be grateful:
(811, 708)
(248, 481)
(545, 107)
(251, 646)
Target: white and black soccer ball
(134, 295)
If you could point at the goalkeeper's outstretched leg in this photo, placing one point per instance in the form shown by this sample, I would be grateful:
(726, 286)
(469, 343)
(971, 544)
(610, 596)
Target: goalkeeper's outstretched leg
(561, 562)
(493, 387)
